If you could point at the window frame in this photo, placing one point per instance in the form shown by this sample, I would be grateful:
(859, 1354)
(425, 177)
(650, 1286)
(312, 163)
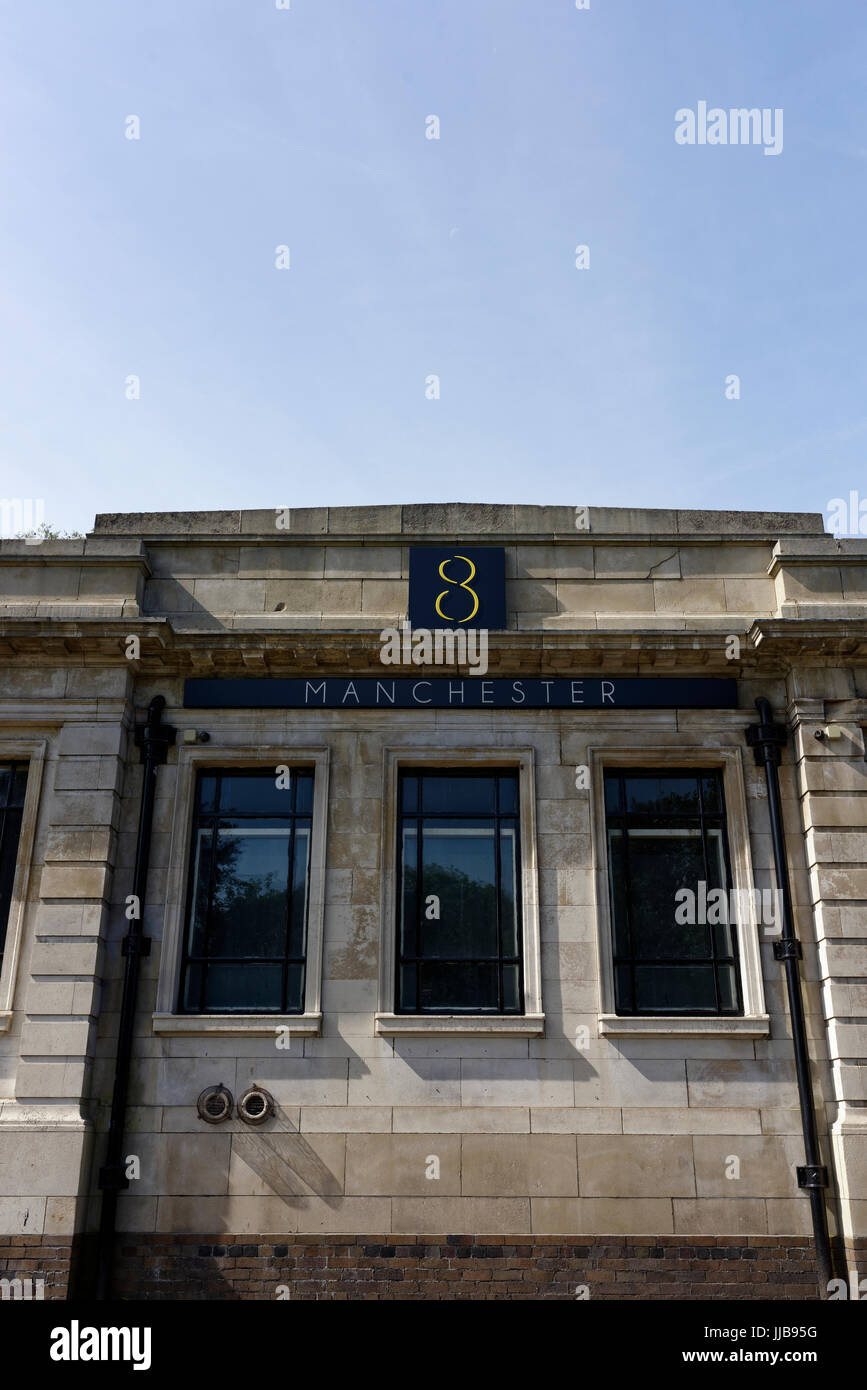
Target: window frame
(498, 817)
(33, 752)
(627, 824)
(530, 1023)
(199, 814)
(754, 1021)
(190, 761)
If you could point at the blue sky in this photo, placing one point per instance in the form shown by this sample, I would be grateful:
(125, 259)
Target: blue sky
(411, 257)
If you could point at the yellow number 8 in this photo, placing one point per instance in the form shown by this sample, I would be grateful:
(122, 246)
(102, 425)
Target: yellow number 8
(462, 584)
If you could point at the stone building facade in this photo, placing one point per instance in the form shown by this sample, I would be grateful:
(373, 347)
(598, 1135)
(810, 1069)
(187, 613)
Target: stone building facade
(563, 1094)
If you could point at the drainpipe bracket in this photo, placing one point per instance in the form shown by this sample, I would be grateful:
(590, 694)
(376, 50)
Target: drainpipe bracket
(113, 1178)
(767, 740)
(812, 1175)
(788, 949)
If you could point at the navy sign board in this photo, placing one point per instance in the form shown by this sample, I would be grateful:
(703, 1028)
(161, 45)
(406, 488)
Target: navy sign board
(457, 587)
(439, 692)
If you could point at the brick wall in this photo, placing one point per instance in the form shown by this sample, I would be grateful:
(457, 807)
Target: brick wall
(453, 1267)
(37, 1257)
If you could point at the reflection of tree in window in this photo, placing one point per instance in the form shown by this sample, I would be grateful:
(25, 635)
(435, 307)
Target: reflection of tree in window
(248, 895)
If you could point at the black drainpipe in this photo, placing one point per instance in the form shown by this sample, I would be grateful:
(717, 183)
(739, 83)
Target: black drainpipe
(153, 739)
(767, 741)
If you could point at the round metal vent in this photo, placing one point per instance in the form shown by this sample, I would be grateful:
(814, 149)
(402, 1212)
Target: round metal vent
(215, 1104)
(255, 1106)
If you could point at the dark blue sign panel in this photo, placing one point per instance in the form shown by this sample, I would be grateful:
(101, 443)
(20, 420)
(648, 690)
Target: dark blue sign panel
(473, 692)
(457, 587)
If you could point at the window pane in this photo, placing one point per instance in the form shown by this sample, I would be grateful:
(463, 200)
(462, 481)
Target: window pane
(717, 878)
(674, 988)
(250, 897)
(409, 890)
(711, 793)
(613, 788)
(256, 794)
(624, 1000)
(458, 795)
(728, 989)
(461, 987)
(300, 873)
(617, 887)
(294, 989)
(10, 828)
(19, 786)
(408, 995)
(303, 793)
(243, 989)
(508, 783)
(409, 793)
(660, 863)
(508, 890)
(511, 989)
(207, 792)
(662, 796)
(198, 943)
(459, 868)
(192, 989)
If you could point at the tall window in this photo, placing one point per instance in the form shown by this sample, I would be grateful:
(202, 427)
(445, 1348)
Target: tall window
(13, 783)
(245, 943)
(459, 931)
(667, 833)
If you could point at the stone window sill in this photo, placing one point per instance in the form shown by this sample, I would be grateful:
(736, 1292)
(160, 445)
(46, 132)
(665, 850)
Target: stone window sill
(466, 1025)
(238, 1025)
(612, 1026)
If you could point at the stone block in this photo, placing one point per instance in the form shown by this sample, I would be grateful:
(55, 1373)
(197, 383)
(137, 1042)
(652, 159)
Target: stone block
(435, 1215)
(765, 1168)
(735, 1216)
(725, 1084)
(89, 740)
(628, 1165)
(505, 1082)
(398, 1082)
(400, 1165)
(518, 1165)
(589, 1216)
(467, 1119)
(268, 1162)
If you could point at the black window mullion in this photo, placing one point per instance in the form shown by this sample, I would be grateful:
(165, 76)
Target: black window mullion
(419, 895)
(709, 928)
(212, 874)
(290, 881)
(498, 878)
